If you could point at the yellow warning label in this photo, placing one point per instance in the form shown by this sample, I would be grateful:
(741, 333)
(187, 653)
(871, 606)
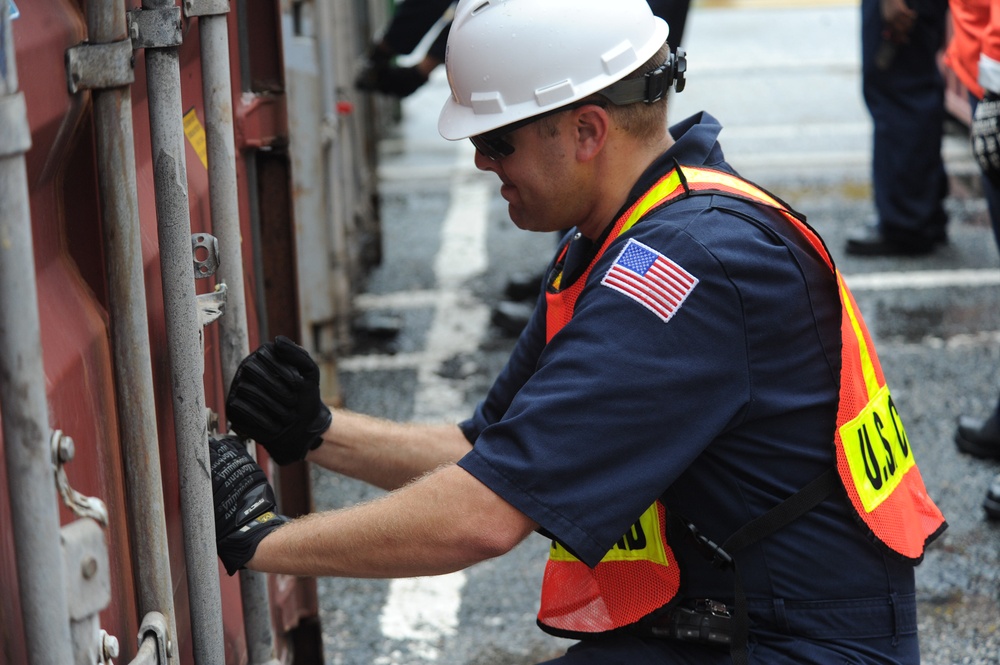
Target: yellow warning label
(877, 450)
(195, 133)
(644, 541)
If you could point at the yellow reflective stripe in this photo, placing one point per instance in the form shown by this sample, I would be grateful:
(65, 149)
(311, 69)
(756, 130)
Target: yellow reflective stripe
(669, 184)
(643, 542)
(867, 368)
(654, 196)
(877, 450)
(730, 181)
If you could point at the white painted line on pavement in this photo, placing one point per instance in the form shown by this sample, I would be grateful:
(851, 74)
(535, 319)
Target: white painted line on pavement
(858, 283)
(922, 279)
(422, 612)
(913, 279)
(395, 300)
(463, 236)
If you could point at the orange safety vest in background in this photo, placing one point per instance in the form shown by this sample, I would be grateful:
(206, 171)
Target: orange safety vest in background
(975, 30)
(874, 458)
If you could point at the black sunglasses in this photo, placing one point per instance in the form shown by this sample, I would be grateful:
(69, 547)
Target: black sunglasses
(494, 144)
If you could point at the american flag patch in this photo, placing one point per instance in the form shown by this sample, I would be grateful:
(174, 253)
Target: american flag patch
(650, 279)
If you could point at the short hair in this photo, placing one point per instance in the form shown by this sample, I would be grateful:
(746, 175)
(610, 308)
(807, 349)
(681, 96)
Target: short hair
(639, 119)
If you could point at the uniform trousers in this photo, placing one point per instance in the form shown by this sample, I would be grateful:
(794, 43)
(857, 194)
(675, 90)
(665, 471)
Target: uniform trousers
(904, 91)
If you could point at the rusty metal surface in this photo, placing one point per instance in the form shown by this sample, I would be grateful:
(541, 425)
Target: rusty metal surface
(73, 284)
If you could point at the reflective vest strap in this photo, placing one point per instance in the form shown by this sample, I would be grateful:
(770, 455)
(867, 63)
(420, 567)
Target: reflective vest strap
(560, 305)
(666, 188)
(558, 308)
(680, 181)
(854, 329)
(704, 181)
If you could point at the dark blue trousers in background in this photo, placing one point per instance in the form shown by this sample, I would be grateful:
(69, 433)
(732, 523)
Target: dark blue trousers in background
(904, 91)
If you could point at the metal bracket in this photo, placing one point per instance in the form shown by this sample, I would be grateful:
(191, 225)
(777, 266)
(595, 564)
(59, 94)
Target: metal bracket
(205, 7)
(109, 648)
(205, 248)
(88, 573)
(63, 450)
(212, 305)
(15, 133)
(154, 626)
(88, 587)
(99, 66)
(155, 28)
(212, 422)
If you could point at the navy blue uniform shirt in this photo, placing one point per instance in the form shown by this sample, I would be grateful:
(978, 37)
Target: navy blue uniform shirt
(724, 410)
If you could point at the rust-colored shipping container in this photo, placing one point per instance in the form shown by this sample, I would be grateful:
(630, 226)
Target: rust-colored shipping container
(157, 219)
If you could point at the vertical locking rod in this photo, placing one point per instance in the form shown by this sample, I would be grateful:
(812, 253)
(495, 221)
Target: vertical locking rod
(233, 336)
(30, 480)
(129, 326)
(184, 342)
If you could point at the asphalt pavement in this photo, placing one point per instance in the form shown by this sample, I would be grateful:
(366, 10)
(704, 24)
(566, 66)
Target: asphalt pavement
(783, 78)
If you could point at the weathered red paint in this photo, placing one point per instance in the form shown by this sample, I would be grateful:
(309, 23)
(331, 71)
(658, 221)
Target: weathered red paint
(73, 307)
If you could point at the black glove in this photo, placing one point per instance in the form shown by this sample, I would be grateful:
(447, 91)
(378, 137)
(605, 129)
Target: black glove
(986, 136)
(244, 503)
(274, 399)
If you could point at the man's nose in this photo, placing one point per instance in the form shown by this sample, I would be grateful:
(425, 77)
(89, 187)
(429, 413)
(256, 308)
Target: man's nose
(484, 163)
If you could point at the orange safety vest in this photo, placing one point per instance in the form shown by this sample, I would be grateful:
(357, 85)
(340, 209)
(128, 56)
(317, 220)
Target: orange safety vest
(975, 30)
(874, 458)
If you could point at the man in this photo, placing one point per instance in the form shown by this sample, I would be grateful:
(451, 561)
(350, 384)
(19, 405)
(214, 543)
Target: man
(974, 55)
(904, 92)
(686, 373)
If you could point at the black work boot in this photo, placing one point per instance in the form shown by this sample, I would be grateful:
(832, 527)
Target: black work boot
(396, 81)
(978, 436)
(991, 504)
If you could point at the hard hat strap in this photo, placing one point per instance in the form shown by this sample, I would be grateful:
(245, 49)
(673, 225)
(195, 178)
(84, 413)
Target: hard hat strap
(653, 86)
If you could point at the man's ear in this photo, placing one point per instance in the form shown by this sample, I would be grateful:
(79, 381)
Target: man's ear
(592, 125)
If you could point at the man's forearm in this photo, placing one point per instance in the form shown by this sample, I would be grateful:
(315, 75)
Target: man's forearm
(444, 522)
(384, 453)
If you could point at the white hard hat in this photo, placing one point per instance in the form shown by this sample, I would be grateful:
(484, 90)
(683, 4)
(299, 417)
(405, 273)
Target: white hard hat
(508, 60)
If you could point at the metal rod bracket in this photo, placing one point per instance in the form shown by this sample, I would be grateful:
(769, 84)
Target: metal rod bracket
(88, 573)
(155, 28)
(63, 451)
(212, 305)
(205, 248)
(15, 133)
(154, 626)
(99, 66)
(206, 7)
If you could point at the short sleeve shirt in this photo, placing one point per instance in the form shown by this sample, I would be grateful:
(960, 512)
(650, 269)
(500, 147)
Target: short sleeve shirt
(721, 411)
